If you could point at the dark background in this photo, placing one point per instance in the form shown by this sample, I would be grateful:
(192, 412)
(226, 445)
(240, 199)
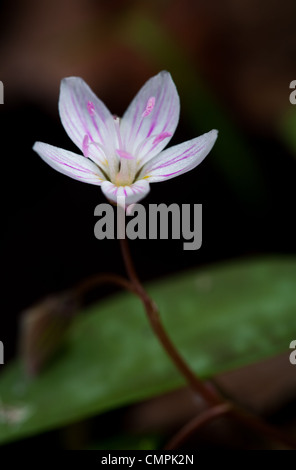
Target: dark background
(243, 51)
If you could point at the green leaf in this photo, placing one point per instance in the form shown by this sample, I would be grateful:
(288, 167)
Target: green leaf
(220, 317)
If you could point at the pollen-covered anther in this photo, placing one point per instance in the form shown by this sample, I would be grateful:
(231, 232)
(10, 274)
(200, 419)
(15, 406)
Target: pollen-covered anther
(85, 145)
(124, 154)
(149, 106)
(90, 108)
(160, 137)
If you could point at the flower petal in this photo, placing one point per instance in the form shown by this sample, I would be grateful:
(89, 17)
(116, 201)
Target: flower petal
(84, 114)
(133, 193)
(179, 159)
(69, 163)
(153, 112)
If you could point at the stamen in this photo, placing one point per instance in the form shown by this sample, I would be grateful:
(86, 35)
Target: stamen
(155, 141)
(91, 108)
(149, 106)
(85, 145)
(124, 154)
(117, 130)
(161, 136)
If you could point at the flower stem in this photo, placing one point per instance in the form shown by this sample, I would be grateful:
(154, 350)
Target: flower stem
(239, 414)
(217, 404)
(94, 281)
(196, 423)
(210, 395)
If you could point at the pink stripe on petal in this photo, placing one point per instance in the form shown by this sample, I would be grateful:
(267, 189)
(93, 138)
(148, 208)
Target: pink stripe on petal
(131, 193)
(69, 163)
(82, 113)
(179, 159)
(136, 129)
(161, 136)
(170, 174)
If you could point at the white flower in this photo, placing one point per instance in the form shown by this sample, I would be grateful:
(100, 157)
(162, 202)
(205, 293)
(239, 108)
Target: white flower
(124, 155)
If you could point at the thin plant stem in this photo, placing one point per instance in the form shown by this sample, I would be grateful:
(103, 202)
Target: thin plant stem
(255, 422)
(106, 278)
(241, 415)
(210, 395)
(196, 423)
(216, 402)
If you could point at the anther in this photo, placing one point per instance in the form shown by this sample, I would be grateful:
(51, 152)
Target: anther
(149, 106)
(85, 145)
(91, 108)
(161, 136)
(124, 154)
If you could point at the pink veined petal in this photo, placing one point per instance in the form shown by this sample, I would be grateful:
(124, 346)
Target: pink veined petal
(133, 193)
(69, 163)
(154, 111)
(179, 159)
(83, 113)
